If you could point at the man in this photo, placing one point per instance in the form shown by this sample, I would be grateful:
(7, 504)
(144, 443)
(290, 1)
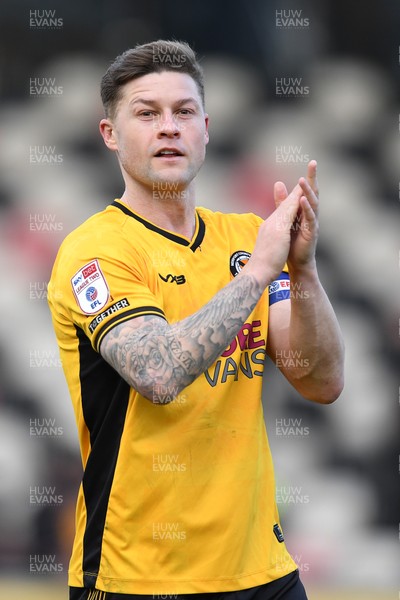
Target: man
(164, 314)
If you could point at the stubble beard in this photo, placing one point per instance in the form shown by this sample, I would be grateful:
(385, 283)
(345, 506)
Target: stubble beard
(164, 184)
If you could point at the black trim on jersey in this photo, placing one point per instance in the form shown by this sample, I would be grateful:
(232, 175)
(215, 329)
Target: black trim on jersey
(105, 398)
(171, 236)
(200, 234)
(142, 310)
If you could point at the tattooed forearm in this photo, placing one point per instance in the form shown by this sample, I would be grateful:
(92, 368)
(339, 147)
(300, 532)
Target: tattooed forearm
(159, 359)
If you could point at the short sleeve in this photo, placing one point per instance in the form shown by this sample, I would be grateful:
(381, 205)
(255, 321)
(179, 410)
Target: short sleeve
(99, 290)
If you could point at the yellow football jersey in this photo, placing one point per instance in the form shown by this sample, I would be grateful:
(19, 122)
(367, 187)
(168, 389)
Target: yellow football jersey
(176, 498)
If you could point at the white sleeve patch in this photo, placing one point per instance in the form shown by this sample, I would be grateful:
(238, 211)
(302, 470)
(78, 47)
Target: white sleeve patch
(90, 288)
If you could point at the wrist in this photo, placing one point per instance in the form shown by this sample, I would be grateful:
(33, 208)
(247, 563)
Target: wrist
(261, 275)
(307, 271)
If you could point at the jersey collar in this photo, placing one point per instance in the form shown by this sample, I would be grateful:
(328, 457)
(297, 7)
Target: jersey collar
(193, 244)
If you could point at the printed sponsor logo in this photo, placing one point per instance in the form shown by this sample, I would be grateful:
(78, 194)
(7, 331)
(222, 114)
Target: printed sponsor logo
(252, 352)
(178, 279)
(279, 284)
(89, 270)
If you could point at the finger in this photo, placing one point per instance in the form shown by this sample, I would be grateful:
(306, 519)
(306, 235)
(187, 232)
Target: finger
(308, 220)
(286, 212)
(309, 193)
(280, 192)
(312, 176)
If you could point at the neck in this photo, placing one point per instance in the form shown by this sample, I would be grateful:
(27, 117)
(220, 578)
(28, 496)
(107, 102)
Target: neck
(166, 205)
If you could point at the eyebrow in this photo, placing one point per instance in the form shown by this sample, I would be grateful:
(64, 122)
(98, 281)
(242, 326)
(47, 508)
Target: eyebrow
(148, 102)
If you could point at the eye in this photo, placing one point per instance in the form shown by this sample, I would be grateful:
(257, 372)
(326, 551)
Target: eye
(146, 114)
(185, 112)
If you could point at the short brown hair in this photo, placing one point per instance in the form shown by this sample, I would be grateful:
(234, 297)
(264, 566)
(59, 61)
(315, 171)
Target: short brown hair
(154, 57)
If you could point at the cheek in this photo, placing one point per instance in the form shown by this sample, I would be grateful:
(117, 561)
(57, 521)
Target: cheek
(131, 150)
(134, 140)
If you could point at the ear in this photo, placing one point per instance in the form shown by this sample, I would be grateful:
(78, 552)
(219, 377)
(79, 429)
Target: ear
(206, 136)
(106, 128)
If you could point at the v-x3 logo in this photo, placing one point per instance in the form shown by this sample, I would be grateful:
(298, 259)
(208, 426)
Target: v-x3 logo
(178, 279)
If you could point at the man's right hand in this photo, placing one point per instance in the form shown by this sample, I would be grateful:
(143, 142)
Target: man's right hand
(273, 242)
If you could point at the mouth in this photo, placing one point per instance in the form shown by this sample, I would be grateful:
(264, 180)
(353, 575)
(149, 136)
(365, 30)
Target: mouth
(168, 153)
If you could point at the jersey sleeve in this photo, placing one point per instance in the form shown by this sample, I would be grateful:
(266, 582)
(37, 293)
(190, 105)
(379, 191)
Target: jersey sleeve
(101, 290)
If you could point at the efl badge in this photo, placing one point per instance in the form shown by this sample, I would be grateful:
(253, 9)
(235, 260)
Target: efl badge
(90, 288)
(238, 260)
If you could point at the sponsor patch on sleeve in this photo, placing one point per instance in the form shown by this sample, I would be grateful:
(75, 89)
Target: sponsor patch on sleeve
(279, 289)
(90, 288)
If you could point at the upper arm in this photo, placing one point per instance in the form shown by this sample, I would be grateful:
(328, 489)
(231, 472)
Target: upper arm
(139, 350)
(148, 353)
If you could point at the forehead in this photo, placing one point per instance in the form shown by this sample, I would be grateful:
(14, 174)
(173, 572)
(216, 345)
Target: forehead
(164, 87)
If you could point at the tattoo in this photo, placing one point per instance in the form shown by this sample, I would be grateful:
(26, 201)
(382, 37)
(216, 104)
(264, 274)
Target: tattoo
(159, 359)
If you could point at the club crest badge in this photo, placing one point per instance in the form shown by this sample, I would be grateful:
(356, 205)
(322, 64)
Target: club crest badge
(238, 261)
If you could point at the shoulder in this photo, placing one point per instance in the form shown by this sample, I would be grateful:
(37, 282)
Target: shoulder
(96, 228)
(100, 237)
(102, 233)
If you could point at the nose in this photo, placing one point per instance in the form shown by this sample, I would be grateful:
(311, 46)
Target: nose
(168, 126)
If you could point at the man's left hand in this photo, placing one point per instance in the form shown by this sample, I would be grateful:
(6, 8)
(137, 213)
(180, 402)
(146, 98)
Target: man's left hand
(304, 233)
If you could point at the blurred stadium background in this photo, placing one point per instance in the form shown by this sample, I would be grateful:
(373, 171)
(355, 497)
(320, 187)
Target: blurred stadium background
(285, 82)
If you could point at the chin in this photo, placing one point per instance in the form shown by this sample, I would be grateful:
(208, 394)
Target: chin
(169, 187)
